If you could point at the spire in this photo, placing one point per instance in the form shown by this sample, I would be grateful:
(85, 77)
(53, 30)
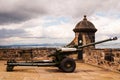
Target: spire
(85, 17)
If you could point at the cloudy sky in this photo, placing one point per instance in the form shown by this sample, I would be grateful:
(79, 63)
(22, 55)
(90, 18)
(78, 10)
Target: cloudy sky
(52, 21)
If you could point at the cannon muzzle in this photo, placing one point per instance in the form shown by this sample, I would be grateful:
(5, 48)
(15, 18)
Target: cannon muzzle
(114, 38)
(91, 44)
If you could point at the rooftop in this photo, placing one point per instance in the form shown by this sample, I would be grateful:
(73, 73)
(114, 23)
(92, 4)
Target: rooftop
(85, 26)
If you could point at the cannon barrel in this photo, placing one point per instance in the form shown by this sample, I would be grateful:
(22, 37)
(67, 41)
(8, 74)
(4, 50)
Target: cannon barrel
(90, 44)
(80, 47)
(68, 51)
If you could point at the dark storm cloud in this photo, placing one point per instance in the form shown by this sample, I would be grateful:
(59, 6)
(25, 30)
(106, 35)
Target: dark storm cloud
(7, 33)
(20, 11)
(6, 18)
(15, 11)
(18, 16)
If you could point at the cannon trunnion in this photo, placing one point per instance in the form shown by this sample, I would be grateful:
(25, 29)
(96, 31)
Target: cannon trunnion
(60, 59)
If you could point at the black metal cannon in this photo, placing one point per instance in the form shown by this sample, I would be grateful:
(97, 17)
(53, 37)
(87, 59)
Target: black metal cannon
(60, 59)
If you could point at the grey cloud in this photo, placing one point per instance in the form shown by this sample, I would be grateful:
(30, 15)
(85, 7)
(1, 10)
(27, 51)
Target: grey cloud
(17, 16)
(7, 33)
(20, 11)
(6, 18)
(16, 11)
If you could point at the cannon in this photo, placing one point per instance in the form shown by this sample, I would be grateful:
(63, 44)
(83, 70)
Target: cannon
(60, 58)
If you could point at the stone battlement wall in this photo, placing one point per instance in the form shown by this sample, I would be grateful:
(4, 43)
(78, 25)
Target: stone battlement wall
(25, 54)
(105, 58)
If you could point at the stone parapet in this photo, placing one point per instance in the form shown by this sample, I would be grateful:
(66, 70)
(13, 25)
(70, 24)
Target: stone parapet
(105, 58)
(25, 54)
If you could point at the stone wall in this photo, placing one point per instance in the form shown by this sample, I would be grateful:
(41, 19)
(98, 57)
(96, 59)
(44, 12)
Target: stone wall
(105, 58)
(25, 54)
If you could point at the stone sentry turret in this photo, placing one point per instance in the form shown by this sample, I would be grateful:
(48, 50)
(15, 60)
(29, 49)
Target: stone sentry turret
(84, 34)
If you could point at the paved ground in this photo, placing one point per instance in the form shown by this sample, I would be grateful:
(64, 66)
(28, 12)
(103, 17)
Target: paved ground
(82, 72)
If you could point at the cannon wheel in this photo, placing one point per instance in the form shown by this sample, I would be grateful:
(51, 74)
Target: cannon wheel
(67, 65)
(9, 68)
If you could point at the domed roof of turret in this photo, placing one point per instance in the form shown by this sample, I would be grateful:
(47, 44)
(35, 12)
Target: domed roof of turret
(84, 26)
